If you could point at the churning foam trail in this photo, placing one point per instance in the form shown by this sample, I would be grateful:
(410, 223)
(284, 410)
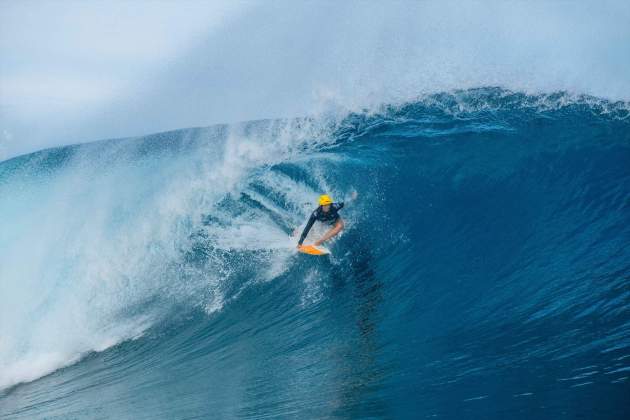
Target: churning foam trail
(93, 235)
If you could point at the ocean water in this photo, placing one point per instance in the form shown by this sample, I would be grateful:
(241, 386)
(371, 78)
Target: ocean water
(484, 271)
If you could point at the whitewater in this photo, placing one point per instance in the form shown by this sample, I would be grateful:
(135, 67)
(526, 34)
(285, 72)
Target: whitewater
(483, 270)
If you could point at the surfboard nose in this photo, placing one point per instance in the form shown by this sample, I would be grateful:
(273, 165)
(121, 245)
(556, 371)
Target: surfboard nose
(313, 250)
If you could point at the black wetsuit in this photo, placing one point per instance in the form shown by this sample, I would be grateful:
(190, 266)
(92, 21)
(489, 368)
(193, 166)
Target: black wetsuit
(331, 216)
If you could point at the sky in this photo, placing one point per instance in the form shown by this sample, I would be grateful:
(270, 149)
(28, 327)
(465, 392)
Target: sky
(79, 71)
(62, 63)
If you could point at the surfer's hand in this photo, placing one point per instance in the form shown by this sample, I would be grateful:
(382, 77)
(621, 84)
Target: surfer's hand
(354, 195)
(317, 243)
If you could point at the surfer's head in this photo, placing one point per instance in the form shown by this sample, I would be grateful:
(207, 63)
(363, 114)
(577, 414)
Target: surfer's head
(325, 201)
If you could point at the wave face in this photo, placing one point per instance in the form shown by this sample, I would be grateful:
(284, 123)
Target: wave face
(484, 270)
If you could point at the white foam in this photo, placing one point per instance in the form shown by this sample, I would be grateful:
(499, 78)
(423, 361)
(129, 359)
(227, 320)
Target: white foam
(87, 250)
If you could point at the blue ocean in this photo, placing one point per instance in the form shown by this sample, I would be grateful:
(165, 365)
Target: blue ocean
(484, 271)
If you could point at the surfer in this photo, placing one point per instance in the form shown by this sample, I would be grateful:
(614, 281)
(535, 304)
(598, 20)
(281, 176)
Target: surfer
(327, 212)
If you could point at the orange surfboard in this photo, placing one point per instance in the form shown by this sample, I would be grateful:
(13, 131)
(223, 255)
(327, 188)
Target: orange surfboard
(314, 250)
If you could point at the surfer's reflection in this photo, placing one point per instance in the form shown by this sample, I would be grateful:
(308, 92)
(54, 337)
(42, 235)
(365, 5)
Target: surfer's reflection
(360, 373)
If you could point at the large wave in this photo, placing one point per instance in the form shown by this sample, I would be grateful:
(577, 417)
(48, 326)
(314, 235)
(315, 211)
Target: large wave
(485, 262)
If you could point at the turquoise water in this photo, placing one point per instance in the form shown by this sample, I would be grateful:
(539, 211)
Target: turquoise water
(483, 273)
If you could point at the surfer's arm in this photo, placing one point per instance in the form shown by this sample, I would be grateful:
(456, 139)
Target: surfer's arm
(332, 232)
(307, 228)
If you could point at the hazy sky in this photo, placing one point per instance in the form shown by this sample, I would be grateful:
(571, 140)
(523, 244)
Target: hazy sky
(63, 62)
(75, 71)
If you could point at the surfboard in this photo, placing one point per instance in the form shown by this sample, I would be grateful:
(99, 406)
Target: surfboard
(314, 250)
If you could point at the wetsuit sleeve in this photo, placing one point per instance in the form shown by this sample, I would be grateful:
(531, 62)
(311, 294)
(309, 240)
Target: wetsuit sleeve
(307, 228)
(339, 206)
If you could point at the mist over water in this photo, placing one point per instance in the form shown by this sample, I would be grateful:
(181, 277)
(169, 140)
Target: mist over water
(290, 59)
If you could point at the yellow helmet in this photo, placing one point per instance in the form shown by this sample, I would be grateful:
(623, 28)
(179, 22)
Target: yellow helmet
(325, 200)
